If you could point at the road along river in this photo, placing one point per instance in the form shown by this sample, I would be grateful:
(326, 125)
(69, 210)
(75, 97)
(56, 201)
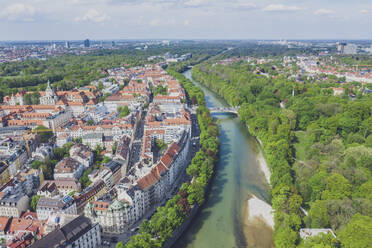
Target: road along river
(226, 219)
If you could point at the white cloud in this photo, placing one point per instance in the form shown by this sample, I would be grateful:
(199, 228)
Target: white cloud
(162, 23)
(94, 16)
(244, 5)
(364, 11)
(196, 3)
(281, 7)
(19, 12)
(88, 2)
(324, 12)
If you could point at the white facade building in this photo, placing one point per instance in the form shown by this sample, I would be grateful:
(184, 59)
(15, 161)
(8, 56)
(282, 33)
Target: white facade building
(80, 232)
(46, 206)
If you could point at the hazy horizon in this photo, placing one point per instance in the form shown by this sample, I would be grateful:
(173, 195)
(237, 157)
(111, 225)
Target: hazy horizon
(185, 39)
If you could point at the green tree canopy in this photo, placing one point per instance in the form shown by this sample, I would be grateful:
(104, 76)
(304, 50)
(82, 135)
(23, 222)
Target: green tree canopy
(34, 200)
(358, 233)
(44, 133)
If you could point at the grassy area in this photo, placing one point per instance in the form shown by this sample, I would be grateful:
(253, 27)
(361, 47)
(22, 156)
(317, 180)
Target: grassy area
(301, 145)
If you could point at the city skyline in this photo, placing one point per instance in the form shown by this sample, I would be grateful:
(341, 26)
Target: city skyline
(184, 19)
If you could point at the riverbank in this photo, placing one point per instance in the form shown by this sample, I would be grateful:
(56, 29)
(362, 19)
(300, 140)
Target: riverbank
(257, 215)
(237, 176)
(259, 209)
(259, 222)
(259, 109)
(264, 167)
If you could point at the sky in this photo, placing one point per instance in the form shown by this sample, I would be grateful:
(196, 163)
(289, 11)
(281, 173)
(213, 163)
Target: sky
(185, 19)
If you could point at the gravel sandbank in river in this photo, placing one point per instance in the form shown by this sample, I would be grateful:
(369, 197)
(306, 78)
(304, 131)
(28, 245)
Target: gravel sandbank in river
(258, 224)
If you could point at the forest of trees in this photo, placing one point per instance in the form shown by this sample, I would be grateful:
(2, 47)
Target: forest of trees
(318, 147)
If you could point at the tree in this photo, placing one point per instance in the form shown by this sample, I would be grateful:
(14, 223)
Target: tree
(114, 147)
(36, 164)
(72, 193)
(84, 180)
(195, 193)
(119, 245)
(365, 190)
(34, 200)
(59, 153)
(358, 233)
(97, 152)
(44, 133)
(161, 90)
(337, 187)
(285, 238)
(355, 138)
(317, 184)
(368, 142)
(100, 86)
(366, 127)
(123, 111)
(47, 171)
(318, 214)
(160, 144)
(90, 123)
(320, 241)
(143, 241)
(106, 160)
(32, 99)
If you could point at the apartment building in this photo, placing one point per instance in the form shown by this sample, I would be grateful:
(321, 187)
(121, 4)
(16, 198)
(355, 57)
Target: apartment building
(68, 168)
(61, 186)
(92, 193)
(13, 203)
(82, 154)
(110, 213)
(80, 232)
(46, 206)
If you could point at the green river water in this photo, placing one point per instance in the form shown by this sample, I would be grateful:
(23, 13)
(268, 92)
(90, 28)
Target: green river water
(221, 221)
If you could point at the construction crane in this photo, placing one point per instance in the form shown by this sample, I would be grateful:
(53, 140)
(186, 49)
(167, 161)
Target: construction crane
(26, 137)
(363, 66)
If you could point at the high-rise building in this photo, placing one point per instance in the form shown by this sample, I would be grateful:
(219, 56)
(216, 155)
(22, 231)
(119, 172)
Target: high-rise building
(341, 47)
(351, 49)
(67, 44)
(87, 43)
(370, 49)
(113, 43)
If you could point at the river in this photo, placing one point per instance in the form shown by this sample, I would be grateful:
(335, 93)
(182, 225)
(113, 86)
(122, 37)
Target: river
(221, 221)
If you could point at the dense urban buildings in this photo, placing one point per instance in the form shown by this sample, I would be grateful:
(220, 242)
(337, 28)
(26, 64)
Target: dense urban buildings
(122, 157)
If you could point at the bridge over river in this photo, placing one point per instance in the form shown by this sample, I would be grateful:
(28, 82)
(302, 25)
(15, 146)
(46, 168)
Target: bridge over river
(223, 110)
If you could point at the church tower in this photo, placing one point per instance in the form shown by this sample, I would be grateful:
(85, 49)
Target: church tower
(50, 97)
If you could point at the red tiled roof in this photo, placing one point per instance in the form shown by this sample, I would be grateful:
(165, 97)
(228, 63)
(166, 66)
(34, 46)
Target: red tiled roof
(166, 160)
(147, 181)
